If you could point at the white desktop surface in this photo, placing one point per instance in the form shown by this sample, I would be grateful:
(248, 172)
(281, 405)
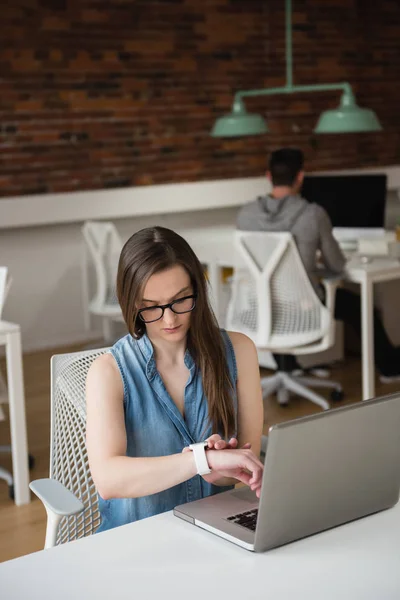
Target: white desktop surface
(376, 264)
(164, 557)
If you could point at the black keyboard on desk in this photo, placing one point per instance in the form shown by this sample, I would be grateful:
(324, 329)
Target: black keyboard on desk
(246, 519)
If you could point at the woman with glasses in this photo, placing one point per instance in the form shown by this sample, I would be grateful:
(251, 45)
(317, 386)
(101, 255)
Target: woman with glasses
(174, 410)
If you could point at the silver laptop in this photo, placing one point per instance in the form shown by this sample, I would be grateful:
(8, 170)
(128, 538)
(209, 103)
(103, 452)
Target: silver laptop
(320, 471)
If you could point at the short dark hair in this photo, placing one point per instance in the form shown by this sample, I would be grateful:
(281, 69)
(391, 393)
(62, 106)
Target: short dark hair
(284, 165)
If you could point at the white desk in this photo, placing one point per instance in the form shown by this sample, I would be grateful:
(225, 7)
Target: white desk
(366, 275)
(214, 247)
(164, 558)
(10, 337)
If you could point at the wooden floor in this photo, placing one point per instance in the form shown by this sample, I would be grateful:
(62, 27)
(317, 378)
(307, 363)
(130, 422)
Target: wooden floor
(22, 529)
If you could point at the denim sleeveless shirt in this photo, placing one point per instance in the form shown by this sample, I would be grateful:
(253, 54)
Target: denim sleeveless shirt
(155, 427)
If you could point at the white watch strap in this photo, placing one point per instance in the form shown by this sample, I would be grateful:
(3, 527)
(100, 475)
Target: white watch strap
(199, 451)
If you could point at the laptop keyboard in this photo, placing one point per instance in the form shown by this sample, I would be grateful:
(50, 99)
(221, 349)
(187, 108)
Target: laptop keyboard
(246, 519)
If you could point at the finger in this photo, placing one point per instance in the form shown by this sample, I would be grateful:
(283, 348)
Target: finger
(243, 477)
(221, 445)
(213, 439)
(246, 446)
(256, 477)
(255, 470)
(254, 458)
(256, 474)
(255, 486)
(256, 490)
(186, 449)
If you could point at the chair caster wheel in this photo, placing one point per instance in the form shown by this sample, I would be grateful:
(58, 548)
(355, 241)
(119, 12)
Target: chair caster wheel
(283, 397)
(31, 461)
(337, 395)
(11, 492)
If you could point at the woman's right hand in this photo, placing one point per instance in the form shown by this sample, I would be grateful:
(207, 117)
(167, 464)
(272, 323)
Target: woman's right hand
(241, 464)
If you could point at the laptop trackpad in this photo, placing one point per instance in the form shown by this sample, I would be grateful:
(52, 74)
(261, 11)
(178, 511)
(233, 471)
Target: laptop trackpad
(245, 494)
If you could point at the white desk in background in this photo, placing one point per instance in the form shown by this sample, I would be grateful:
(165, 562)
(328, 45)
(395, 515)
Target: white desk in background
(366, 275)
(215, 248)
(164, 557)
(10, 337)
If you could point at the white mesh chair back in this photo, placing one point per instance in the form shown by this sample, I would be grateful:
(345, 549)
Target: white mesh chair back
(104, 245)
(68, 456)
(272, 300)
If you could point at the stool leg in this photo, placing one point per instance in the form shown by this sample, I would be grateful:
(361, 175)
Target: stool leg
(16, 398)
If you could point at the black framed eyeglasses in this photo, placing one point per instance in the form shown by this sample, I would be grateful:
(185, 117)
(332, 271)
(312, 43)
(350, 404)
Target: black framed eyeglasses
(179, 307)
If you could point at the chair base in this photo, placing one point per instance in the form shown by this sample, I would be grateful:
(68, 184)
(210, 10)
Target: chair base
(6, 475)
(283, 383)
(8, 478)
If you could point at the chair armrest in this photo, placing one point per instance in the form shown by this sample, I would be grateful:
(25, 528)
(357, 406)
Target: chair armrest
(56, 497)
(330, 285)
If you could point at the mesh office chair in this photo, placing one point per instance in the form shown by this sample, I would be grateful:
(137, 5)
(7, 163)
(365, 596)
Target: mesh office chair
(103, 245)
(274, 303)
(69, 495)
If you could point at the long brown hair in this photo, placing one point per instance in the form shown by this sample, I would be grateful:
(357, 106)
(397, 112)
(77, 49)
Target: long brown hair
(155, 249)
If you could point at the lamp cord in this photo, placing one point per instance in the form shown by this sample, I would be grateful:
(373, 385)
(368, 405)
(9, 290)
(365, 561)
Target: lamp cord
(289, 55)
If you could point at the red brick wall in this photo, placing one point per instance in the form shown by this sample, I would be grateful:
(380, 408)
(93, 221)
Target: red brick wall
(108, 93)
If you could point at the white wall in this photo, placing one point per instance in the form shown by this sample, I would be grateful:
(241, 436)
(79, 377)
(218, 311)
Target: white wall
(47, 209)
(40, 242)
(45, 298)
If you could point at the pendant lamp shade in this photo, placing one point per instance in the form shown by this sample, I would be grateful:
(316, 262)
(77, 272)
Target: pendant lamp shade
(239, 123)
(348, 118)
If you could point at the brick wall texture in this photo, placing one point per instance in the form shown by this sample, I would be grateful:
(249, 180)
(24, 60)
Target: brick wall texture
(111, 93)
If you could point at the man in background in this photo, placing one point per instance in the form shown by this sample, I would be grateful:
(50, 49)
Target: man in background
(285, 210)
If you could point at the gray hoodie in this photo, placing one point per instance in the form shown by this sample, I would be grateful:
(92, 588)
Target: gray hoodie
(308, 223)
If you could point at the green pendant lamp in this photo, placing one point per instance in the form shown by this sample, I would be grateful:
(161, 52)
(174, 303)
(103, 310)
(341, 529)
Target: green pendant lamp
(348, 118)
(239, 122)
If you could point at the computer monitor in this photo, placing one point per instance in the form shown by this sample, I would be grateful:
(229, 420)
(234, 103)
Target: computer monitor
(351, 201)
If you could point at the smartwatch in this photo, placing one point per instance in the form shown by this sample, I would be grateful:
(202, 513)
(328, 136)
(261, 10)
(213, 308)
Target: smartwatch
(199, 451)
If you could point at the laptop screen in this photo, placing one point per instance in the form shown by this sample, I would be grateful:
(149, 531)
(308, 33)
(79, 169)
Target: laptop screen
(355, 201)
